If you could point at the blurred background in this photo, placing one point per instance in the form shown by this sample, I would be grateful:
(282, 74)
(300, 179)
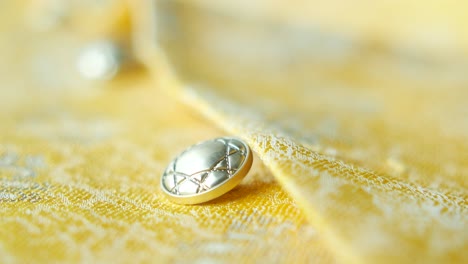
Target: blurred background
(62, 43)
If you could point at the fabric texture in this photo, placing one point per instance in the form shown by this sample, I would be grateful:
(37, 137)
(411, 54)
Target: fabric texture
(361, 155)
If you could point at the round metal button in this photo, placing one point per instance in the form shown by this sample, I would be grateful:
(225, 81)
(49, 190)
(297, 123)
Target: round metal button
(206, 170)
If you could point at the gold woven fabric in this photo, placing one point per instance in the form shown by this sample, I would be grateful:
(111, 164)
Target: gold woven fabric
(362, 155)
(80, 183)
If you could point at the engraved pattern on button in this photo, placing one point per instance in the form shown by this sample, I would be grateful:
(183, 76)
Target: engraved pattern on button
(201, 181)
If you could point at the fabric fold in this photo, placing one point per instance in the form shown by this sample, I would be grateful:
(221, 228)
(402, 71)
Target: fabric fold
(365, 216)
(371, 143)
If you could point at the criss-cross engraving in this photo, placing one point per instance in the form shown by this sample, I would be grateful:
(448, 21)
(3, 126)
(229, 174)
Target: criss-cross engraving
(206, 179)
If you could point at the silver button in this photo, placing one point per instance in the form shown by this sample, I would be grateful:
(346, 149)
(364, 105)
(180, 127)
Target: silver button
(206, 170)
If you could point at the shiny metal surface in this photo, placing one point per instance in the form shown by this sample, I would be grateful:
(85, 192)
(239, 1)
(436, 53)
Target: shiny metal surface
(206, 170)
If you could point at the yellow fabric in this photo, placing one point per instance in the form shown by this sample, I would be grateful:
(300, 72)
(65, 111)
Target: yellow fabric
(80, 183)
(368, 152)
